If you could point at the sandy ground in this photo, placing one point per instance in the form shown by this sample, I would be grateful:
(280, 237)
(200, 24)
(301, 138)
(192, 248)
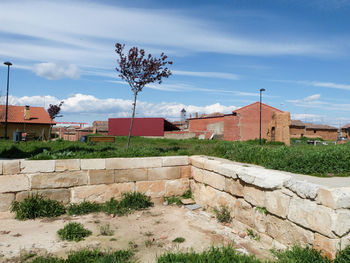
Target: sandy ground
(160, 225)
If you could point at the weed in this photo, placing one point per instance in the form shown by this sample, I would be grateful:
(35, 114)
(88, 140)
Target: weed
(132, 245)
(223, 214)
(106, 230)
(36, 206)
(298, 254)
(148, 243)
(73, 231)
(173, 200)
(85, 207)
(187, 194)
(261, 210)
(136, 201)
(253, 235)
(113, 239)
(179, 240)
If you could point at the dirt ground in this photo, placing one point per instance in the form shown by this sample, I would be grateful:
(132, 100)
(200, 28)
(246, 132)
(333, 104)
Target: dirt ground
(150, 231)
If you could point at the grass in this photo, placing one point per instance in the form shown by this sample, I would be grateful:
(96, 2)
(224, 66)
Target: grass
(106, 230)
(252, 235)
(73, 231)
(223, 214)
(179, 240)
(83, 208)
(318, 160)
(177, 199)
(36, 206)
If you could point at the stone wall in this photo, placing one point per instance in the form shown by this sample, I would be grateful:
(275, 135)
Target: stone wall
(281, 209)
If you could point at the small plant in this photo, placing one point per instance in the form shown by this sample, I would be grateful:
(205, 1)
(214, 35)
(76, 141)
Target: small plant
(136, 201)
(36, 206)
(252, 235)
(113, 239)
(187, 194)
(261, 210)
(106, 230)
(299, 254)
(73, 231)
(223, 214)
(83, 208)
(148, 243)
(173, 200)
(113, 207)
(179, 240)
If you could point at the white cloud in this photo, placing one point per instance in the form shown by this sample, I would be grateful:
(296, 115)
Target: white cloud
(55, 71)
(308, 101)
(330, 85)
(218, 75)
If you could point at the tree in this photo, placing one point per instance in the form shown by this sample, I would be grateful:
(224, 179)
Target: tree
(138, 70)
(54, 110)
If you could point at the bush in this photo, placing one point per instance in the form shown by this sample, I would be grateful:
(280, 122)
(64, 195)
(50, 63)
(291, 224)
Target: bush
(136, 201)
(298, 254)
(343, 256)
(223, 214)
(85, 207)
(36, 206)
(73, 231)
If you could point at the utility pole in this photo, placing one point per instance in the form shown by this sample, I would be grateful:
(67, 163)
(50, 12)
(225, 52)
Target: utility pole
(8, 64)
(261, 90)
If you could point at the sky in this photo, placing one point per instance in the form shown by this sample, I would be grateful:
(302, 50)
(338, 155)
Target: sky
(223, 53)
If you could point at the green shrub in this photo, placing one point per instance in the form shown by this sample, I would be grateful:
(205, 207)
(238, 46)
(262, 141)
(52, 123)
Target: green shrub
(85, 207)
(173, 200)
(179, 240)
(136, 201)
(223, 214)
(187, 194)
(343, 256)
(73, 231)
(113, 207)
(298, 254)
(36, 206)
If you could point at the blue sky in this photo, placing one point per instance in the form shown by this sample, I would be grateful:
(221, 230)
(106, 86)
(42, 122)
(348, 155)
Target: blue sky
(223, 52)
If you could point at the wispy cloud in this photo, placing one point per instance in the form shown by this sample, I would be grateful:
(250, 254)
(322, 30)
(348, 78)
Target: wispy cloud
(55, 71)
(218, 75)
(320, 84)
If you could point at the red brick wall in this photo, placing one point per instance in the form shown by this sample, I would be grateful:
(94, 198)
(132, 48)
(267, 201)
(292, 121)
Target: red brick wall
(231, 128)
(200, 125)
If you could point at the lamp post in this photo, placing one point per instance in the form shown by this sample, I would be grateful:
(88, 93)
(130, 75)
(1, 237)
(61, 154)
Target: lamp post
(261, 90)
(8, 64)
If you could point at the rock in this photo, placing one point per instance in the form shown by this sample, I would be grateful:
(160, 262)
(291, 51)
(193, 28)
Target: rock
(242, 234)
(303, 189)
(188, 201)
(163, 237)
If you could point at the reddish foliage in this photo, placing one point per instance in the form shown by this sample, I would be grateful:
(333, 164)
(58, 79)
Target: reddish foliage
(54, 110)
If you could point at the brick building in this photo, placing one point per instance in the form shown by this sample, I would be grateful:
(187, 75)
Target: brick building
(300, 129)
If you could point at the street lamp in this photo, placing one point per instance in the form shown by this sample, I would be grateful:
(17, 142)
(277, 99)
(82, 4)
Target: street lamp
(261, 90)
(8, 64)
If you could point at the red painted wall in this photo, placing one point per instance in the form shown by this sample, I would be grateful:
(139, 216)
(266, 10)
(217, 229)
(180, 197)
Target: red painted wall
(141, 127)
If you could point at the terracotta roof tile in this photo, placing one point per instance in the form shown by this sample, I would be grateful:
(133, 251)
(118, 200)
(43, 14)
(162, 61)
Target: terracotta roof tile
(16, 115)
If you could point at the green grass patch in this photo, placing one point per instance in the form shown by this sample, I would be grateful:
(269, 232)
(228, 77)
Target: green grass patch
(179, 240)
(83, 208)
(73, 231)
(173, 200)
(36, 206)
(298, 254)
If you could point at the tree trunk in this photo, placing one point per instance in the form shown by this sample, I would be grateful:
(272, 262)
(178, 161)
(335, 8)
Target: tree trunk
(132, 120)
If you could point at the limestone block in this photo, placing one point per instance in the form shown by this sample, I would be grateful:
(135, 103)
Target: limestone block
(44, 166)
(225, 199)
(67, 165)
(334, 198)
(244, 212)
(345, 241)
(208, 196)
(288, 233)
(164, 173)
(213, 179)
(176, 187)
(197, 161)
(197, 174)
(130, 175)
(132, 163)
(234, 187)
(326, 245)
(186, 172)
(254, 196)
(260, 221)
(6, 201)
(151, 188)
(312, 216)
(58, 180)
(14, 183)
(10, 167)
(100, 193)
(237, 226)
(0, 167)
(278, 246)
(101, 176)
(227, 169)
(277, 203)
(210, 164)
(93, 164)
(303, 189)
(62, 195)
(174, 160)
(342, 222)
(266, 241)
(263, 178)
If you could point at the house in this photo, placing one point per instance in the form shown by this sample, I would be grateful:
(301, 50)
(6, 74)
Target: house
(345, 131)
(300, 129)
(33, 122)
(74, 133)
(141, 126)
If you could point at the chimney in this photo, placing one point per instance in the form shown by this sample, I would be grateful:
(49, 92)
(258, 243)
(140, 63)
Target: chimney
(27, 112)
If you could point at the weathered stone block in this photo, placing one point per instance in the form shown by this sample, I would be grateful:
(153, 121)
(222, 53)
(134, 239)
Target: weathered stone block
(312, 216)
(93, 164)
(277, 203)
(100, 193)
(197, 161)
(342, 222)
(101, 176)
(164, 173)
(244, 212)
(225, 199)
(0, 167)
(197, 174)
(303, 189)
(44, 166)
(186, 172)
(345, 241)
(227, 169)
(130, 175)
(288, 233)
(10, 167)
(234, 187)
(210, 164)
(132, 163)
(334, 198)
(151, 188)
(58, 180)
(213, 179)
(260, 221)
(174, 160)
(326, 245)
(254, 196)
(6, 201)
(67, 165)
(14, 183)
(62, 195)
(176, 187)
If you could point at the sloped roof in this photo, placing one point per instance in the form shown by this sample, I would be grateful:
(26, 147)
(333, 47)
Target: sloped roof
(250, 105)
(214, 114)
(347, 126)
(297, 123)
(319, 126)
(15, 114)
